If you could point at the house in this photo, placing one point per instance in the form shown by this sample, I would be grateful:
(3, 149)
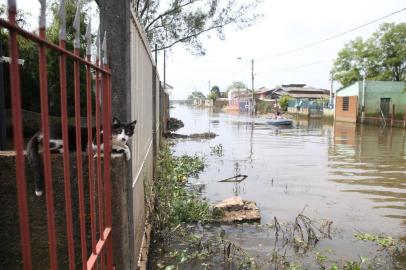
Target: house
(369, 101)
(304, 100)
(239, 99)
(263, 93)
(300, 92)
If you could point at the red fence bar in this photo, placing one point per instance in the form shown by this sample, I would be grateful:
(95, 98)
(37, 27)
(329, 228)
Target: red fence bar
(82, 214)
(18, 140)
(100, 213)
(48, 45)
(99, 165)
(90, 157)
(107, 149)
(46, 153)
(66, 161)
(108, 180)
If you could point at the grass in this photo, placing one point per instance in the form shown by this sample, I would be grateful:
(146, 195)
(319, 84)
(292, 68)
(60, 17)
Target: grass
(175, 203)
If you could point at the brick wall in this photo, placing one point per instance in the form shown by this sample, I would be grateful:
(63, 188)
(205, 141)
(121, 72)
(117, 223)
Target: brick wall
(351, 114)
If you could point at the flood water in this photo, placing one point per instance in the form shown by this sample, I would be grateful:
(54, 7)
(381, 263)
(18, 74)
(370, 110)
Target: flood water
(352, 175)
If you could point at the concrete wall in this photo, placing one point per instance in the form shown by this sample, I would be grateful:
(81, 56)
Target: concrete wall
(137, 96)
(352, 90)
(375, 90)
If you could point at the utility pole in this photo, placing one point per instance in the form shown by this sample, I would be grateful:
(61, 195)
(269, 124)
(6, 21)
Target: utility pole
(252, 86)
(3, 117)
(330, 102)
(164, 69)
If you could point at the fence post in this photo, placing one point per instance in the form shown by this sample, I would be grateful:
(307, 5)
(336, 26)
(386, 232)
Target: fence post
(392, 120)
(404, 118)
(3, 116)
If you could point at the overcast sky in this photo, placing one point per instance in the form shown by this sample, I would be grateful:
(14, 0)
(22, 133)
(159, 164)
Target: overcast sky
(286, 25)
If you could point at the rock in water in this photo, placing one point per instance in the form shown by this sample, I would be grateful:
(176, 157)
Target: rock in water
(236, 209)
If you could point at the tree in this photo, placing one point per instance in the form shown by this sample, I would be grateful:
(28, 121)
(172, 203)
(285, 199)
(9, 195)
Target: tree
(214, 93)
(196, 95)
(30, 72)
(237, 85)
(216, 90)
(390, 40)
(284, 101)
(381, 57)
(184, 21)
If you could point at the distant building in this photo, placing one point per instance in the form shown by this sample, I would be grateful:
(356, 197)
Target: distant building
(263, 93)
(239, 99)
(300, 92)
(376, 99)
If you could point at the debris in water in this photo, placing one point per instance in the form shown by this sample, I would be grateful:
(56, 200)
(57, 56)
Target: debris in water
(238, 178)
(235, 209)
(205, 135)
(174, 124)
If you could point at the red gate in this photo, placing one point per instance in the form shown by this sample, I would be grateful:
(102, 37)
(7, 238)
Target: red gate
(98, 76)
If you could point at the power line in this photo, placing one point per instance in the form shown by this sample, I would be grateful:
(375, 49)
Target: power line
(296, 67)
(331, 37)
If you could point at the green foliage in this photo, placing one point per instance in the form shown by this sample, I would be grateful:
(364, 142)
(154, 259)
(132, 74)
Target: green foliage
(237, 85)
(196, 95)
(382, 240)
(283, 102)
(213, 96)
(214, 93)
(30, 71)
(381, 57)
(215, 89)
(184, 21)
(175, 202)
(263, 107)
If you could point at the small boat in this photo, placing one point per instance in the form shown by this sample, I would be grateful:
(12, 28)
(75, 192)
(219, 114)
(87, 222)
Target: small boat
(281, 121)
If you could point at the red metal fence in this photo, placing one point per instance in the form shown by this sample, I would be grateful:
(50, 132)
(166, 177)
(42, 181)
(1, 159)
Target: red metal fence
(98, 76)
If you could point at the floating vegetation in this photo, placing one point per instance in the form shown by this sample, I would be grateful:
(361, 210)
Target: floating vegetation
(217, 150)
(382, 240)
(204, 135)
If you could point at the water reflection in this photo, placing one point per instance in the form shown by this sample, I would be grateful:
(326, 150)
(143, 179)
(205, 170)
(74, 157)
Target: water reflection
(371, 161)
(352, 175)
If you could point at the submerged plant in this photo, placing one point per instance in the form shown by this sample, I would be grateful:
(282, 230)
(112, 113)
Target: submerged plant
(382, 240)
(217, 150)
(174, 201)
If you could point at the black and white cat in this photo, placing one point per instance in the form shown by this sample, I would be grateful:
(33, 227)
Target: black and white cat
(120, 133)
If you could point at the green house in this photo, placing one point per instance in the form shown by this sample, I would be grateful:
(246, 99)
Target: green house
(375, 99)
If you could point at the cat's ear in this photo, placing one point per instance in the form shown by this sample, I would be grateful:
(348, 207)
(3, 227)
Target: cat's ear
(116, 121)
(133, 123)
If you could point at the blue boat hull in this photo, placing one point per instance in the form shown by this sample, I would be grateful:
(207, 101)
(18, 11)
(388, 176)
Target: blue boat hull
(280, 122)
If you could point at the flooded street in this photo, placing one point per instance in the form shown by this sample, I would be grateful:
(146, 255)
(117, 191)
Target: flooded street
(353, 176)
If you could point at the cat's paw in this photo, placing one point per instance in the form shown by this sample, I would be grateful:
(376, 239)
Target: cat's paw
(127, 154)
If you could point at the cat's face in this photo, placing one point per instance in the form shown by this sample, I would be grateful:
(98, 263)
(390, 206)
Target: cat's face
(121, 132)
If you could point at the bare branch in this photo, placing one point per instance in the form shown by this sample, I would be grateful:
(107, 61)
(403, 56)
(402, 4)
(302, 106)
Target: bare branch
(138, 6)
(193, 35)
(146, 6)
(169, 12)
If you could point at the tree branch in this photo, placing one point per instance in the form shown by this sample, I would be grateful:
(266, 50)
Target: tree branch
(146, 6)
(138, 5)
(168, 12)
(193, 35)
